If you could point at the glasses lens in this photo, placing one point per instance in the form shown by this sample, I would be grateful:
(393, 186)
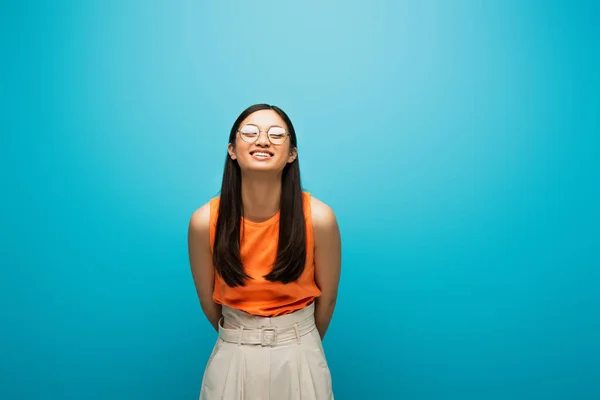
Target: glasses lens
(277, 135)
(249, 133)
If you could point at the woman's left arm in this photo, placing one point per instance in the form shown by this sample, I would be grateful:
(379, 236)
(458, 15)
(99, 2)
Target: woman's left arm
(328, 260)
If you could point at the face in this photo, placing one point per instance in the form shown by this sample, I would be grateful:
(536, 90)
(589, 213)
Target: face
(253, 149)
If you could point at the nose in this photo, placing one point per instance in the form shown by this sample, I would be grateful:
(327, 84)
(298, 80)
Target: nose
(263, 140)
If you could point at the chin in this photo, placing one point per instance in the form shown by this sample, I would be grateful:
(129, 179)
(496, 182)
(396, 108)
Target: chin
(261, 167)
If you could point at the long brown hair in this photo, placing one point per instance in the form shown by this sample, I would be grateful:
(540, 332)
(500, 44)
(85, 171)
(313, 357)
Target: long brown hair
(291, 249)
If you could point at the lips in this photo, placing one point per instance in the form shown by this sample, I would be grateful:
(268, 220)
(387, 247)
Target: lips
(261, 153)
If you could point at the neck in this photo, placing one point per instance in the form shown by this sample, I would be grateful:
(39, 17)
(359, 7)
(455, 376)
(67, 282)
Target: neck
(260, 197)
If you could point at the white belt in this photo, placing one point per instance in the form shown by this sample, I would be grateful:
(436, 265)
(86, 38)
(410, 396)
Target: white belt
(268, 335)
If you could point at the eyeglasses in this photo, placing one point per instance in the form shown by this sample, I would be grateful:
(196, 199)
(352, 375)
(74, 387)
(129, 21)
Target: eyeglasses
(250, 134)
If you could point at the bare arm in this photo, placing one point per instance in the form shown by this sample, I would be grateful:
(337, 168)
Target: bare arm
(328, 259)
(201, 263)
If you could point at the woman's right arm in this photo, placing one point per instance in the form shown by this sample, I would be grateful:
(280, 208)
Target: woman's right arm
(201, 264)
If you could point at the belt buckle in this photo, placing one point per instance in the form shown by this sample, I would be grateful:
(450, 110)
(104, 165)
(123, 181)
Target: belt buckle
(263, 341)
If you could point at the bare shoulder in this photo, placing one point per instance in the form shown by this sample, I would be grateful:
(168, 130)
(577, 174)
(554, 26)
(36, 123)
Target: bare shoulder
(323, 216)
(200, 220)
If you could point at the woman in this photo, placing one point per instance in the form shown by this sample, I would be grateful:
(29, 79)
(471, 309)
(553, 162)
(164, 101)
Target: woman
(266, 258)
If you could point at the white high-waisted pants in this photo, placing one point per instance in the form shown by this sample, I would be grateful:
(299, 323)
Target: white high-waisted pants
(267, 358)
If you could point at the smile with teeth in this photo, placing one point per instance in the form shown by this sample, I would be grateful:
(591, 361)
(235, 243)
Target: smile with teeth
(261, 154)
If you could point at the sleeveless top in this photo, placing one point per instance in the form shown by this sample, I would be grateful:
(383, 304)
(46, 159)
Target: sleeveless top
(258, 250)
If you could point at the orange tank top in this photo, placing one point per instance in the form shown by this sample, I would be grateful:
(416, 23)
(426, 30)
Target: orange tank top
(258, 250)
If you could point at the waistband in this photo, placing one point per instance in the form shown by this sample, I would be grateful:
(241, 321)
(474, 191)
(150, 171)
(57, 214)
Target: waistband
(266, 331)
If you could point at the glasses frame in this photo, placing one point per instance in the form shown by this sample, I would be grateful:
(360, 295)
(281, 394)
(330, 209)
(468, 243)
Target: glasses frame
(287, 134)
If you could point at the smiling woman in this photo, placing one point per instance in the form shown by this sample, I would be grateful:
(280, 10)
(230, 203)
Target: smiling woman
(264, 147)
(265, 257)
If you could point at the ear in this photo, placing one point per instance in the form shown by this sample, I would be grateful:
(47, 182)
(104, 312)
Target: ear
(231, 151)
(293, 155)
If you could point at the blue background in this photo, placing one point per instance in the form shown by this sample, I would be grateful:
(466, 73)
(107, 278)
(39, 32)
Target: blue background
(457, 143)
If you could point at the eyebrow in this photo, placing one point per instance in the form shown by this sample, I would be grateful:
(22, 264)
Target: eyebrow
(272, 126)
